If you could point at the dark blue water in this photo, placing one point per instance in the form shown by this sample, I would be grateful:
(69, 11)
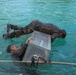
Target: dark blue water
(21, 13)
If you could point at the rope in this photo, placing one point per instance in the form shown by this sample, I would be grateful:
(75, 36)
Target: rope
(61, 63)
(64, 63)
(10, 61)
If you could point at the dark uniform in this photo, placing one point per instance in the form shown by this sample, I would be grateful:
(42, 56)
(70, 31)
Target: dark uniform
(47, 28)
(20, 52)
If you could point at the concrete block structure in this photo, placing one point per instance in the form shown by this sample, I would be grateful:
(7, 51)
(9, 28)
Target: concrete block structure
(40, 46)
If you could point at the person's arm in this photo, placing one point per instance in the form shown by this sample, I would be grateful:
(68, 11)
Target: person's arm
(22, 50)
(54, 36)
(31, 38)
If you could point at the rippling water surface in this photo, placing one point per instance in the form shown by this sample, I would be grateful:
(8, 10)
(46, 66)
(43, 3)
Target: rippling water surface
(59, 12)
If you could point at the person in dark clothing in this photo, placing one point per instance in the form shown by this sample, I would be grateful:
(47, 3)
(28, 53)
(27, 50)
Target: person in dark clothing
(47, 28)
(18, 52)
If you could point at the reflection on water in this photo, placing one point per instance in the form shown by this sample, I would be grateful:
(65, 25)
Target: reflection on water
(17, 69)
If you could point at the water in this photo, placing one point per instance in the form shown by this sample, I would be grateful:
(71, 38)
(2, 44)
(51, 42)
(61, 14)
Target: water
(59, 12)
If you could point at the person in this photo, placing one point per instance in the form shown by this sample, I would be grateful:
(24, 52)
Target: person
(47, 28)
(18, 52)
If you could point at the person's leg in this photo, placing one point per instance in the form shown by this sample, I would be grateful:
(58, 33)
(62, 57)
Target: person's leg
(16, 33)
(29, 27)
(34, 25)
(14, 27)
(13, 34)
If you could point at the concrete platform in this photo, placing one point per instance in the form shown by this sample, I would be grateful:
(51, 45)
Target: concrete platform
(40, 46)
